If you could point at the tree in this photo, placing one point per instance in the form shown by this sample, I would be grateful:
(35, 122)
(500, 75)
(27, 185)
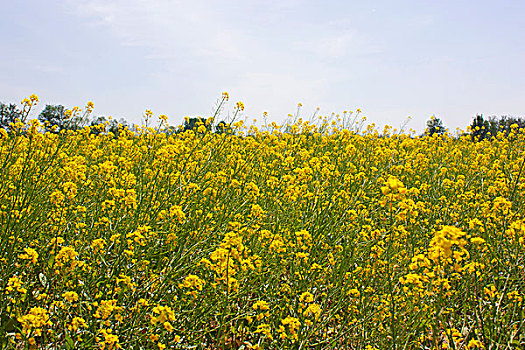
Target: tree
(194, 123)
(479, 128)
(492, 126)
(505, 124)
(434, 126)
(53, 118)
(112, 125)
(223, 128)
(9, 114)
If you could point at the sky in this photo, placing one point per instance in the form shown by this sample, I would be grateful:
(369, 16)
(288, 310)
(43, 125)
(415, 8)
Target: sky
(391, 59)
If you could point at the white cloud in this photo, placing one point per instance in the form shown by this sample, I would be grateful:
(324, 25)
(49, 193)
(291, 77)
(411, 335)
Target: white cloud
(247, 48)
(167, 28)
(273, 54)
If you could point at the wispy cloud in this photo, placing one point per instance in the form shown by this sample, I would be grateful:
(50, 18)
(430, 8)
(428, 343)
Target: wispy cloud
(167, 28)
(247, 47)
(174, 56)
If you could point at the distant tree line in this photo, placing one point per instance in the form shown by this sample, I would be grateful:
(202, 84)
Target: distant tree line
(9, 114)
(193, 124)
(481, 128)
(55, 118)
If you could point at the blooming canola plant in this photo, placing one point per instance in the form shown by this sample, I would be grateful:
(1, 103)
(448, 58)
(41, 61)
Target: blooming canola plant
(313, 237)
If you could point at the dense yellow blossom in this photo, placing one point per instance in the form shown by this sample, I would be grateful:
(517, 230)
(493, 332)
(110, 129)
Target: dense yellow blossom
(35, 321)
(318, 234)
(30, 254)
(70, 296)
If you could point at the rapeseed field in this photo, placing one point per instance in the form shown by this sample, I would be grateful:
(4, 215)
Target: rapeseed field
(311, 236)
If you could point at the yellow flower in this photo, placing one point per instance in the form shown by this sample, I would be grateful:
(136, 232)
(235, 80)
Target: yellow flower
(143, 302)
(30, 254)
(475, 344)
(312, 309)
(32, 100)
(261, 305)
(477, 240)
(168, 326)
(106, 308)
(70, 296)
(265, 329)
(76, 323)
(15, 283)
(98, 244)
(56, 241)
(35, 320)
(193, 281)
(70, 189)
(443, 241)
(110, 341)
(126, 280)
(165, 313)
(306, 297)
(66, 255)
(354, 292)
(239, 106)
(176, 212)
(293, 326)
(57, 197)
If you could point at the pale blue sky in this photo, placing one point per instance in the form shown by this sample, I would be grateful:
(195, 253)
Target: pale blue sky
(392, 59)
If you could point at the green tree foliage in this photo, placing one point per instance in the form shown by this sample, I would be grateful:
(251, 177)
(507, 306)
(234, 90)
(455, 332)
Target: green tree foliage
(194, 123)
(434, 126)
(110, 125)
(57, 118)
(479, 128)
(482, 129)
(223, 128)
(504, 125)
(53, 118)
(9, 114)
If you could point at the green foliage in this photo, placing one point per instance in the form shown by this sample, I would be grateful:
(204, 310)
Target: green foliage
(223, 128)
(434, 126)
(53, 117)
(504, 125)
(9, 114)
(479, 128)
(482, 129)
(194, 123)
(298, 241)
(111, 125)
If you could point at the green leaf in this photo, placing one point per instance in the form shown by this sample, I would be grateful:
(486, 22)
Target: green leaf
(51, 261)
(70, 344)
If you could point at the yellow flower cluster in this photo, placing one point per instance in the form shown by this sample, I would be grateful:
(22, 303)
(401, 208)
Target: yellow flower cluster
(443, 241)
(34, 321)
(326, 235)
